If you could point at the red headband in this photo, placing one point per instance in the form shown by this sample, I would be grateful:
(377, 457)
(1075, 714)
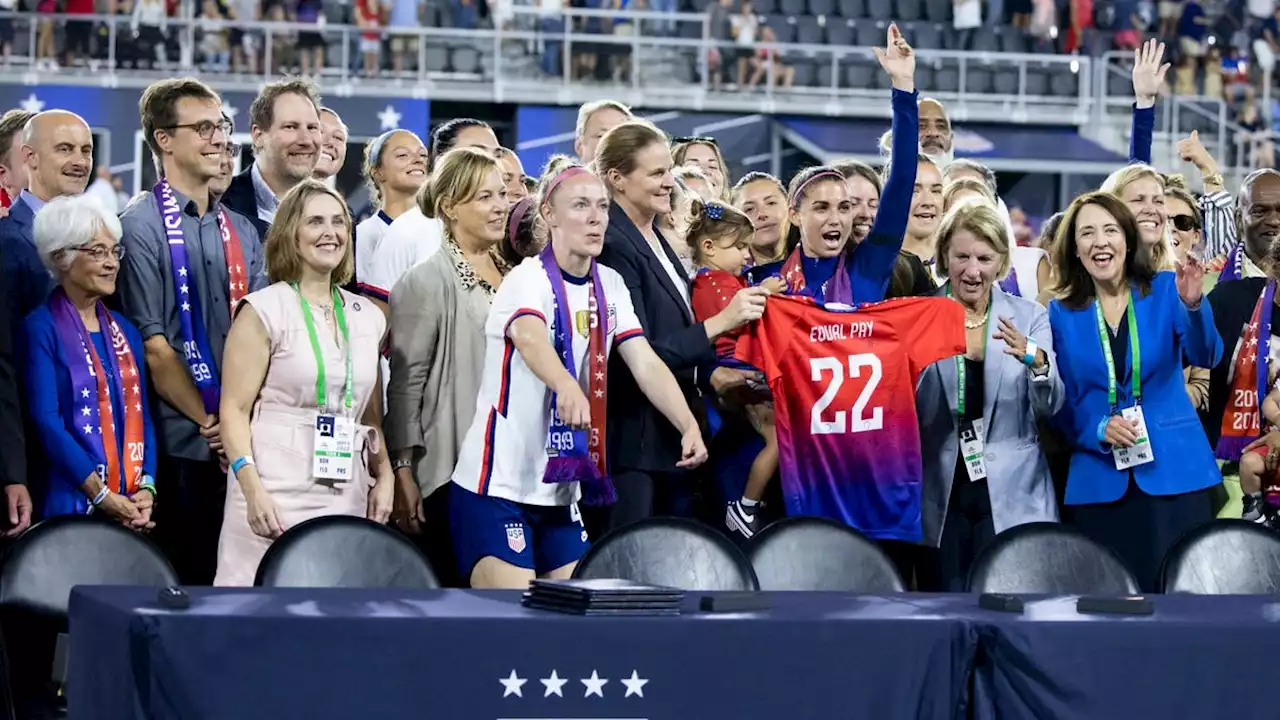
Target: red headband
(517, 214)
(824, 175)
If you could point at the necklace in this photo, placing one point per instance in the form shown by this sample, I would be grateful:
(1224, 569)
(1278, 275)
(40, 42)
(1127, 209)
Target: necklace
(974, 325)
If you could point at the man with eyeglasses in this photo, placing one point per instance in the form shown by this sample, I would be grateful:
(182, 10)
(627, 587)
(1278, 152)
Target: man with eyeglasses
(218, 186)
(180, 295)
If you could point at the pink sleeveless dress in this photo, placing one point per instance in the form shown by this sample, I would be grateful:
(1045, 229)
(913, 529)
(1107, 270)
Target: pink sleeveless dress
(283, 421)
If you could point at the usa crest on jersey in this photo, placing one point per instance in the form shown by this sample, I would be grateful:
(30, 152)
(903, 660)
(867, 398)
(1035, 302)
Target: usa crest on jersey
(515, 538)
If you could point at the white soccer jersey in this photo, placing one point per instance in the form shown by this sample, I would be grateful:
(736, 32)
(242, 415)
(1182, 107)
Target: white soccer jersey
(410, 239)
(368, 236)
(505, 451)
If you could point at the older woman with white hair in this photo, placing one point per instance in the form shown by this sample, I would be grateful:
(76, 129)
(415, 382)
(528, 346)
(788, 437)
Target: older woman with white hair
(86, 381)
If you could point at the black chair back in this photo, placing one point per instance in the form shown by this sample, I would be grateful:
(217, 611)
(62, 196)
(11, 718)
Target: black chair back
(54, 555)
(674, 552)
(1049, 558)
(344, 551)
(1224, 557)
(811, 553)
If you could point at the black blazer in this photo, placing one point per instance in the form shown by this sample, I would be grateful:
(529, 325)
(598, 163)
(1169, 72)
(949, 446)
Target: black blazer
(13, 454)
(241, 198)
(640, 437)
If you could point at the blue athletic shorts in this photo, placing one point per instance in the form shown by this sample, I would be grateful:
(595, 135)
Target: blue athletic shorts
(537, 537)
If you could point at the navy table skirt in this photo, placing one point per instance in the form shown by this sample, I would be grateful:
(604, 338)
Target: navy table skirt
(243, 654)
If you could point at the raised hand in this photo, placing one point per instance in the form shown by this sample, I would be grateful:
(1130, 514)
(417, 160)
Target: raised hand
(1189, 277)
(1148, 72)
(898, 60)
(1016, 343)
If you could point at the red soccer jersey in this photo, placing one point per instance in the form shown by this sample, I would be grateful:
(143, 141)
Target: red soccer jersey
(712, 292)
(844, 388)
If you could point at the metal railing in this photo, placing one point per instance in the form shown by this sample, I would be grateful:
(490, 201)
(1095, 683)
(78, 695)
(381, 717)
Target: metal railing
(514, 63)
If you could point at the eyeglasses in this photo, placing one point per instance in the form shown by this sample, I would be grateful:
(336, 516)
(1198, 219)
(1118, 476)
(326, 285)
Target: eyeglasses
(695, 139)
(1185, 223)
(204, 128)
(99, 253)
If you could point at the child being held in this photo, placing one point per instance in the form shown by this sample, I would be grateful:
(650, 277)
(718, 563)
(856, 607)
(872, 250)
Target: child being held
(720, 238)
(1262, 499)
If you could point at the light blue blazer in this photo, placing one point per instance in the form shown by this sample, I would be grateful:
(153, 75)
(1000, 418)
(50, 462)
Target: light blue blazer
(1018, 478)
(1168, 333)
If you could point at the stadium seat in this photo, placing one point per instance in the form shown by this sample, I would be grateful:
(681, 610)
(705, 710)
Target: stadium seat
(674, 552)
(860, 74)
(1037, 82)
(809, 553)
(762, 7)
(839, 31)
(977, 79)
(1224, 557)
(794, 8)
(937, 10)
(928, 36)
(784, 27)
(806, 71)
(822, 7)
(344, 551)
(946, 78)
(882, 10)
(1065, 84)
(1048, 558)
(906, 11)
(1004, 79)
(809, 30)
(853, 9)
(870, 33)
(1013, 40)
(437, 58)
(465, 60)
(984, 41)
(1119, 84)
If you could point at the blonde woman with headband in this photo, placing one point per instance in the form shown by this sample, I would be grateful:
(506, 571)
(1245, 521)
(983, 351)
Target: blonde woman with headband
(438, 313)
(395, 166)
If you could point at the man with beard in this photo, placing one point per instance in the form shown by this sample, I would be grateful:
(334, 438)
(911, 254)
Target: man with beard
(1241, 311)
(285, 126)
(333, 146)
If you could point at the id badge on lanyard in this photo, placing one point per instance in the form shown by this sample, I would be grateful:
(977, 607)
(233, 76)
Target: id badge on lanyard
(972, 433)
(1141, 452)
(333, 439)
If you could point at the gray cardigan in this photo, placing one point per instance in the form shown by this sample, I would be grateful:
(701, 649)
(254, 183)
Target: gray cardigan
(437, 360)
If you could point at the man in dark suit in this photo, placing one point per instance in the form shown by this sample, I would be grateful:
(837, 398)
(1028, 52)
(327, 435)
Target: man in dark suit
(285, 126)
(13, 456)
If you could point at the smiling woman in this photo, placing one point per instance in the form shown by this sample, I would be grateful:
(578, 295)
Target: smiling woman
(314, 430)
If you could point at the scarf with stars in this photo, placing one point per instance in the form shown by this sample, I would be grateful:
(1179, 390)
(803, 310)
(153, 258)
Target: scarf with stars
(574, 455)
(94, 381)
(195, 340)
(1242, 421)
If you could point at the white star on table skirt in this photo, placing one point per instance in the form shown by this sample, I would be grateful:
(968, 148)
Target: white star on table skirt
(595, 685)
(512, 684)
(635, 684)
(554, 685)
(389, 119)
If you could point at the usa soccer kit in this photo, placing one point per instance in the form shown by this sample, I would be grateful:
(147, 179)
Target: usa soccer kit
(844, 387)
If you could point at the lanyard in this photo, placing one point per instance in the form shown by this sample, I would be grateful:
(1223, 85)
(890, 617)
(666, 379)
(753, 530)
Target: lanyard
(961, 372)
(348, 396)
(1134, 350)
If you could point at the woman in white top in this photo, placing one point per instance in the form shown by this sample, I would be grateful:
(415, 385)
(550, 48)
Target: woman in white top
(395, 166)
(413, 237)
(536, 445)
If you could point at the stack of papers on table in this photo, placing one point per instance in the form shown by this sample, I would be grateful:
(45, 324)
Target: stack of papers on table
(603, 597)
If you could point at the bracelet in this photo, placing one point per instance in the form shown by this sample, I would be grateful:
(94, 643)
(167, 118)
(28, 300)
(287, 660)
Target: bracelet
(102, 495)
(238, 464)
(401, 464)
(149, 484)
(1102, 430)
(1029, 355)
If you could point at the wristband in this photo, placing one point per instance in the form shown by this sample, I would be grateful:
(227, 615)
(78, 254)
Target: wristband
(149, 484)
(1029, 355)
(1102, 430)
(238, 464)
(401, 464)
(101, 496)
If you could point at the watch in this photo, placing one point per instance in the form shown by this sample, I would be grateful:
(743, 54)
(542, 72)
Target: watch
(1043, 370)
(1214, 179)
(401, 464)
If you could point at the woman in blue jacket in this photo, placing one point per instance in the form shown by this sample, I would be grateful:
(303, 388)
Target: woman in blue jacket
(86, 376)
(1141, 468)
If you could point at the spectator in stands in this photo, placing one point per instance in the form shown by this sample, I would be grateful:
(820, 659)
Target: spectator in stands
(333, 147)
(180, 297)
(1170, 14)
(13, 172)
(273, 407)
(149, 25)
(519, 492)
(213, 36)
(402, 15)
(6, 30)
(966, 18)
(762, 198)
(704, 154)
(395, 166)
(512, 173)
(985, 403)
(284, 121)
(369, 19)
(720, 32)
(1193, 25)
(1020, 13)
(311, 42)
(77, 32)
(244, 43)
(57, 150)
(101, 450)
(594, 120)
(1080, 20)
(768, 63)
(45, 39)
(438, 312)
(634, 160)
(1132, 496)
(1127, 24)
(745, 24)
(413, 237)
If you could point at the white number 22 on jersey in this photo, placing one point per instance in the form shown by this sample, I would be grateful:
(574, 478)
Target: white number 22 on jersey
(861, 423)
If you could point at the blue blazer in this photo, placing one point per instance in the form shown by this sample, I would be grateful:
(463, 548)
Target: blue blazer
(54, 412)
(1168, 333)
(27, 282)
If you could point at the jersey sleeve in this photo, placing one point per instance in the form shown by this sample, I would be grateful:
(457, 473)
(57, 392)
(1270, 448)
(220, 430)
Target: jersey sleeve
(616, 294)
(764, 343)
(520, 294)
(933, 329)
(710, 295)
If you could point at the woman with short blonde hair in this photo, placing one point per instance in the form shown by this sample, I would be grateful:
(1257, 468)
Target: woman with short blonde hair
(1142, 189)
(299, 375)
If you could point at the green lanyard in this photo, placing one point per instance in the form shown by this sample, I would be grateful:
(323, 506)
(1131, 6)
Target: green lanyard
(348, 395)
(960, 364)
(1134, 349)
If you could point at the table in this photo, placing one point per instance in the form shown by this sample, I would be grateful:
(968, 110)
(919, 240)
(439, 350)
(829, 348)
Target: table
(1196, 657)
(246, 653)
